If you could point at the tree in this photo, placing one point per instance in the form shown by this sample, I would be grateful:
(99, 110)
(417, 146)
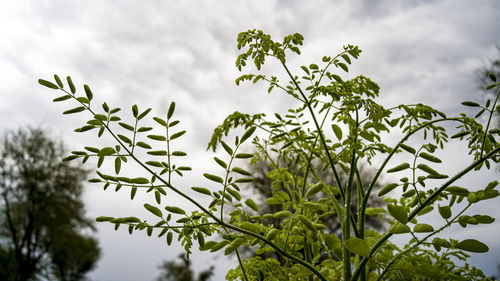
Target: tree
(337, 125)
(172, 271)
(482, 74)
(42, 211)
(264, 174)
(484, 84)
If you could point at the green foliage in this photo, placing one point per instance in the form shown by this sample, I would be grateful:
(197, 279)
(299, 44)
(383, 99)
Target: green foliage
(298, 144)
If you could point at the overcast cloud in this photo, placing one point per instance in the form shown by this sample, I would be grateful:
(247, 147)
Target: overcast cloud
(155, 52)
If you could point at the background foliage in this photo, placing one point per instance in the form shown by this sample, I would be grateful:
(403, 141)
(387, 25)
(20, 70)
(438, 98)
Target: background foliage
(44, 232)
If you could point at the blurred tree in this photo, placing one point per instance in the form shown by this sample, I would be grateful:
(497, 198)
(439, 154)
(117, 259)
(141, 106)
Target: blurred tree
(481, 74)
(42, 213)
(262, 187)
(172, 271)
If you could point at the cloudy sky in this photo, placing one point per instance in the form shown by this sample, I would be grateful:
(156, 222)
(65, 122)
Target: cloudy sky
(153, 52)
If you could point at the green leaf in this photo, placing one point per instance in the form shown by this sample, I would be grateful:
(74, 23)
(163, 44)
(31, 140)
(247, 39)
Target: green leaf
(374, 211)
(176, 135)
(407, 148)
(213, 178)
(160, 121)
(157, 196)
(106, 151)
(171, 110)
(47, 84)
(282, 214)
(243, 155)
(101, 117)
(133, 191)
(484, 219)
(250, 203)
(179, 153)
(143, 114)
(103, 219)
(202, 190)
(248, 133)
(227, 148)
(314, 189)
(492, 76)
(337, 131)
(241, 171)
(71, 85)
(343, 66)
(83, 100)
(173, 123)
(169, 238)
(472, 245)
(157, 137)
(175, 210)
(88, 92)
(272, 234)
(471, 103)
(143, 145)
(439, 242)
(357, 246)
(118, 165)
(427, 169)
(208, 245)
(332, 241)
(243, 180)
(126, 126)
(400, 213)
(399, 168)
(306, 222)
(74, 110)
(429, 157)
(154, 164)
(234, 245)
(157, 152)
(423, 227)
(337, 78)
(153, 210)
(124, 139)
(346, 58)
(456, 190)
(399, 228)
(460, 134)
(219, 246)
(144, 129)
(135, 110)
(386, 189)
(62, 98)
(234, 193)
(69, 158)
(445, 211)
(139, 180)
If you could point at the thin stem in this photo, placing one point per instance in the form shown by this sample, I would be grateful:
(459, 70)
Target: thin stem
(346, 233)
(427, 202)
(379, 171)
(488, 125)
(322, 138)
(391, 262)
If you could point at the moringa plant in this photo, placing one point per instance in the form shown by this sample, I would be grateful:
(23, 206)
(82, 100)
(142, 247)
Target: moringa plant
(337, 127)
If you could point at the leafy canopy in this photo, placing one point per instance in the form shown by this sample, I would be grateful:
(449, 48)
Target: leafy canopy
(337, 127)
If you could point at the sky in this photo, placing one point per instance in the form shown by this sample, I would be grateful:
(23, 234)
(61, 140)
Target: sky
(151, 53)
